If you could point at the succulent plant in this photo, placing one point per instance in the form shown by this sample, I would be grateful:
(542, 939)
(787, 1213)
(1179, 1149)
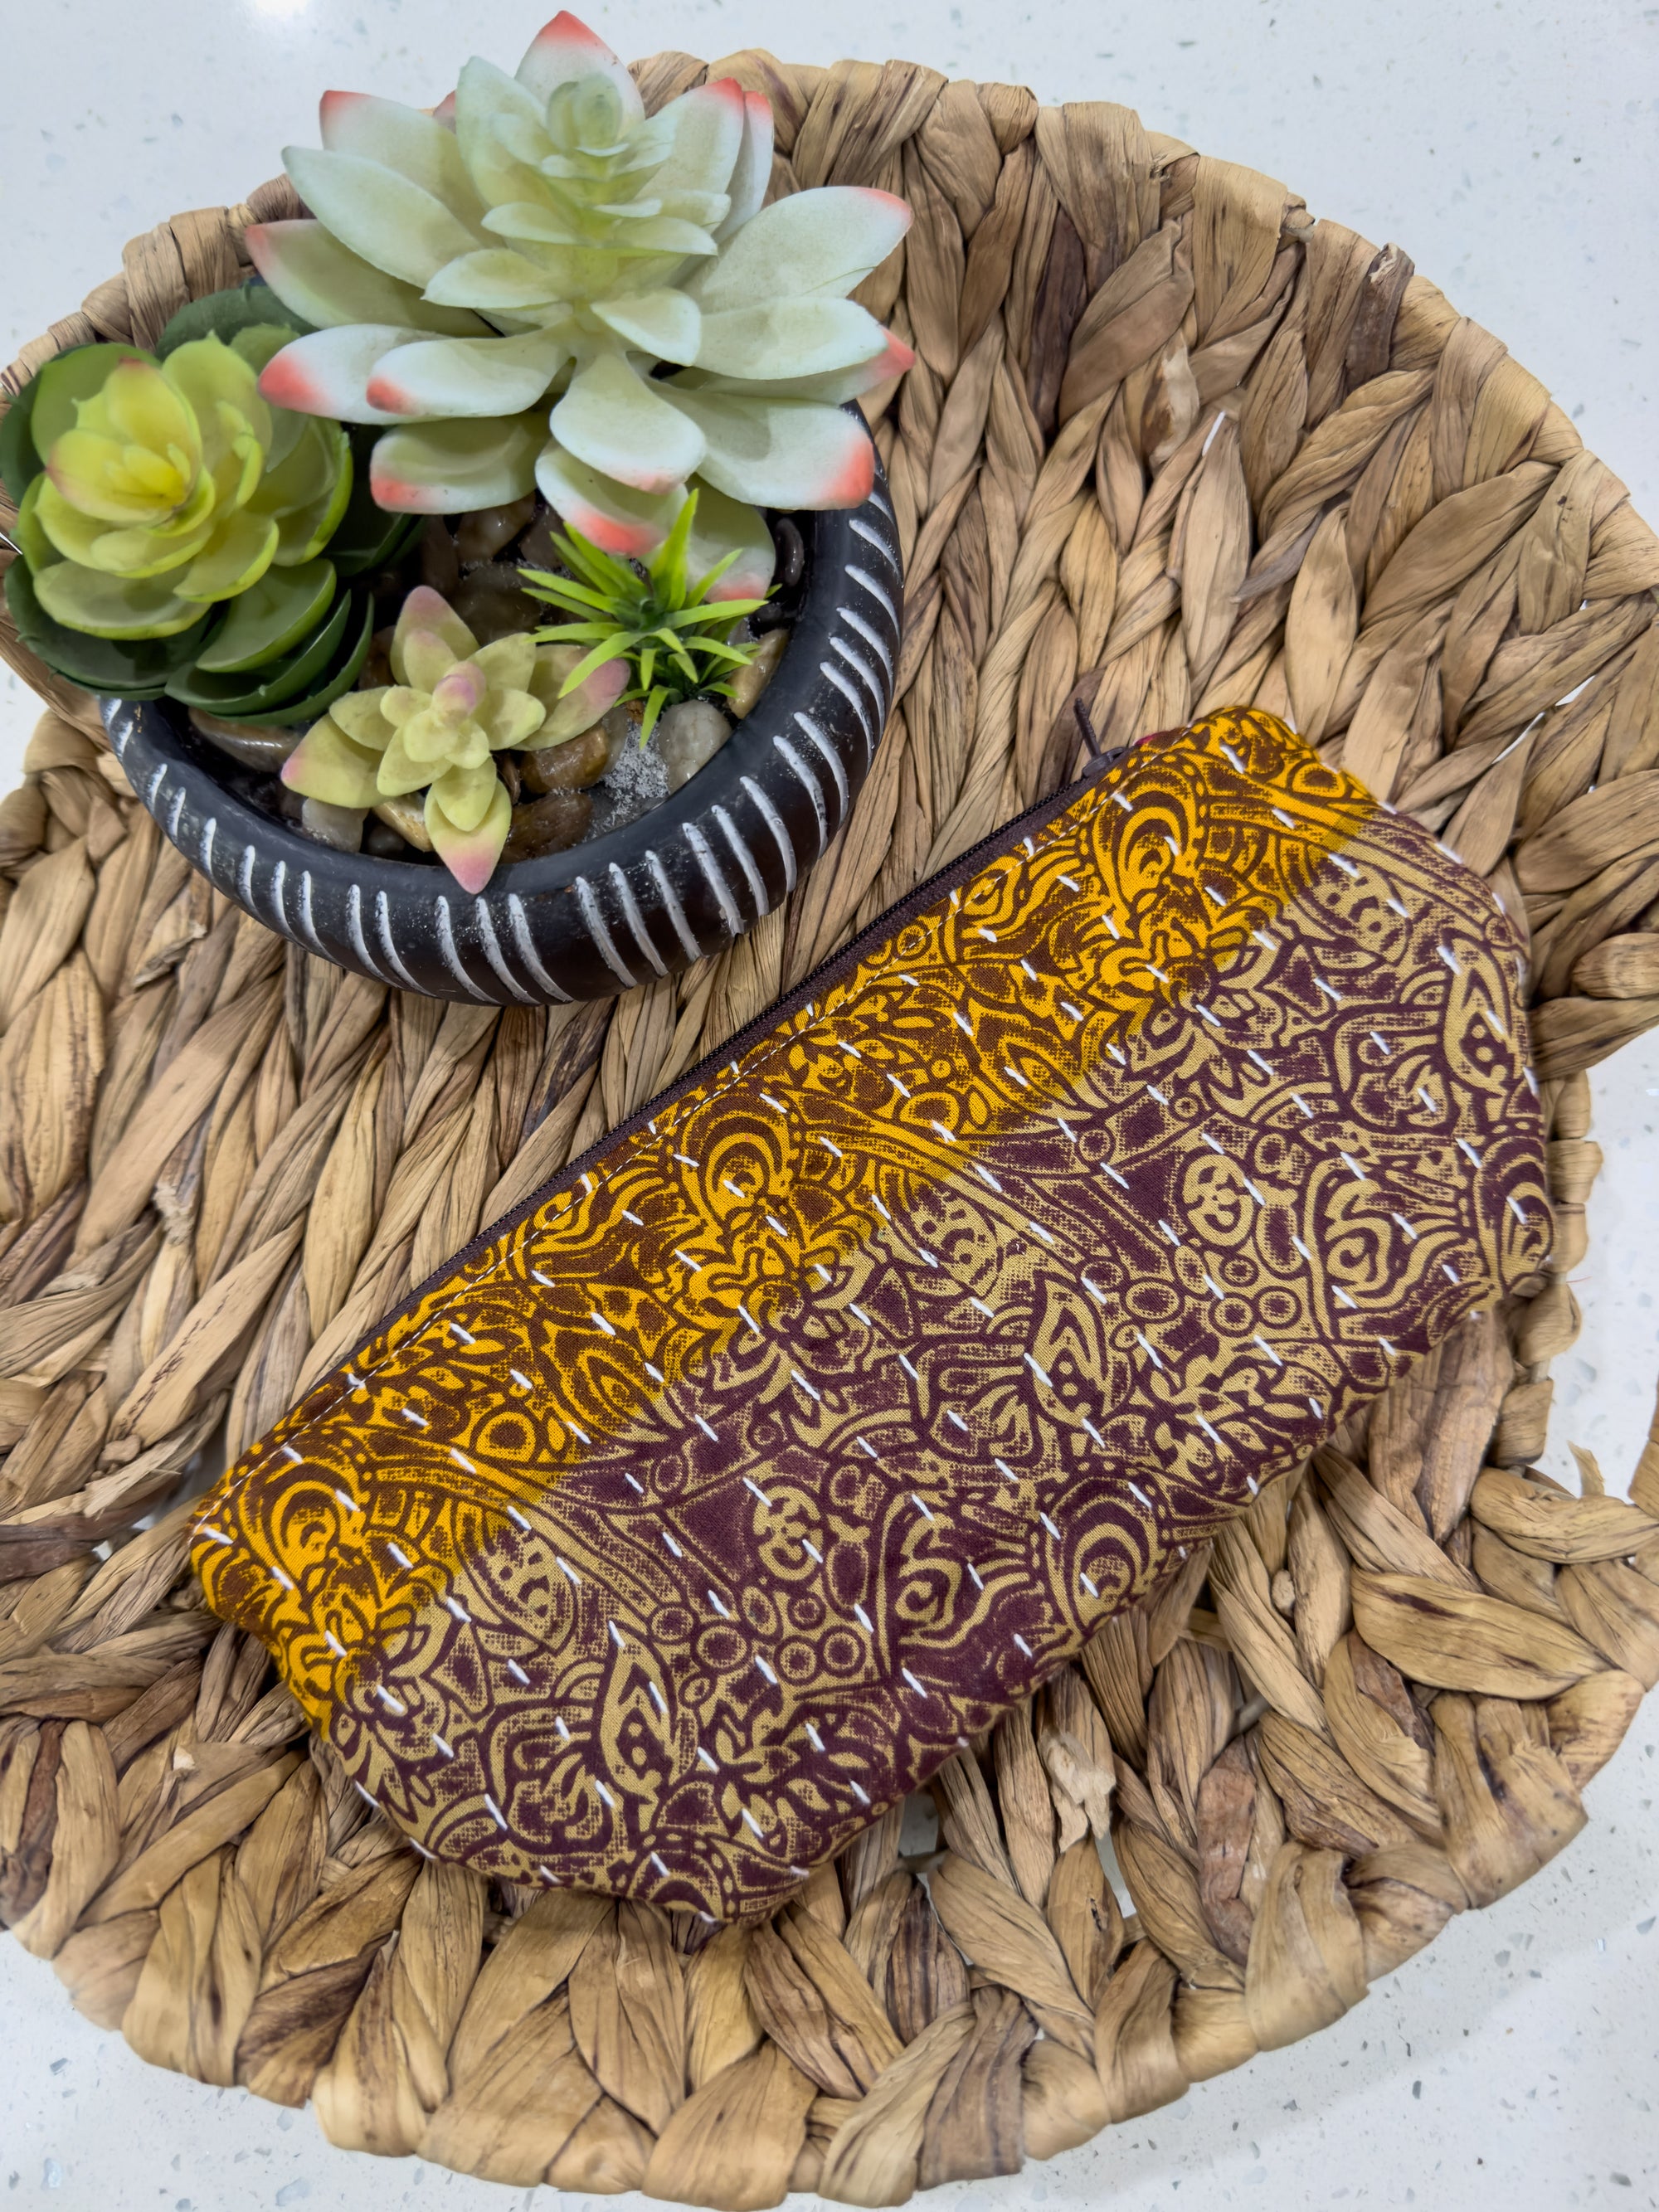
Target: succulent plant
(540, 239)
(170, 485)
(277, 652)
(657, 618)
(455, 704)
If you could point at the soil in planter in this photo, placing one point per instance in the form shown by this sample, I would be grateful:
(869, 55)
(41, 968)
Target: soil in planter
(564, 795)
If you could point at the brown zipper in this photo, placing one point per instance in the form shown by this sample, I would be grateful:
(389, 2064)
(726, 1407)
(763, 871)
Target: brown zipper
(826, 974)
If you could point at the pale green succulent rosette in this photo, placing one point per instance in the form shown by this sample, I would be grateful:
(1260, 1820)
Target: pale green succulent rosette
(502, 295)
(175, 485)
(455, 704)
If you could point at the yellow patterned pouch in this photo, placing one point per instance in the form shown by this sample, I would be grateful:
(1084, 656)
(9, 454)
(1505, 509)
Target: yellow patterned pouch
(701, 1508)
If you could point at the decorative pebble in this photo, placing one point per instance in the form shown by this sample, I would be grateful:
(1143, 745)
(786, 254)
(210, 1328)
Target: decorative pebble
(340, 827)
(548, 825)
(751, 680)
(536, 548)
(574, 765)
(381, 840)
(256, 745)
(792, 552)
(687, 738)
(440, 565)
(482, 533)
(489, 601)
(408, 817)
(377, 662)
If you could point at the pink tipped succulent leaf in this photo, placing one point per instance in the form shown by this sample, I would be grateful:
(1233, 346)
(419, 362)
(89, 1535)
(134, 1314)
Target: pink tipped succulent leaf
(328, 371)
(635, 524)
(613, 516)
(565, 51)
(328, 765)
(460, 691)
(781, 453)
(723, 525)
(832, 388)
(450, 378)
(569, 712)
(428, 615)
(451, 468)
(469, 855)
(410, 145)
(619, 423)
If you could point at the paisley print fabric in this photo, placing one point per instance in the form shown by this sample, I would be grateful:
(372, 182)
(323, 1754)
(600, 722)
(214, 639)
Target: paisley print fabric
(705, 1507)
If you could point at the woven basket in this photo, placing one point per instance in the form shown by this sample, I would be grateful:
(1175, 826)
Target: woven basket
(1168, 445)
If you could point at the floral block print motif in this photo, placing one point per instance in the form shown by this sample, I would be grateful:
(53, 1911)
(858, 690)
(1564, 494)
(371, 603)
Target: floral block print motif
(703, 1507)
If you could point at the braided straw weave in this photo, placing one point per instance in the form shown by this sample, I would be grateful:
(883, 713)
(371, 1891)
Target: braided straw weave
(1168, 445)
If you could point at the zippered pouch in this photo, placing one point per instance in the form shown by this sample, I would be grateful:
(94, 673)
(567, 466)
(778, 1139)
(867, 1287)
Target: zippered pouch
(702, 1508)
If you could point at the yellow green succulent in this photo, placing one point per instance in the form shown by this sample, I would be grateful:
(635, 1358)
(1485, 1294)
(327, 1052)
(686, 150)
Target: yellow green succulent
(454, 705)
(170, 485)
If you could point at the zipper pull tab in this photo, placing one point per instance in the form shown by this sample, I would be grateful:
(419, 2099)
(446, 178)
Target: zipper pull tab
(1098, 758)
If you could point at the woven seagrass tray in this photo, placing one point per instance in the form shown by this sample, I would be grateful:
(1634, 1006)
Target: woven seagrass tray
(1171, 444)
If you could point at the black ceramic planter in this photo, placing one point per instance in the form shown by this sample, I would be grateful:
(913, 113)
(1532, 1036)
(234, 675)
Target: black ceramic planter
(685, 879)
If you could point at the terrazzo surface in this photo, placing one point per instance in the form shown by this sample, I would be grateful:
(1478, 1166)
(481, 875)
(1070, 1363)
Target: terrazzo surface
(1513, 150)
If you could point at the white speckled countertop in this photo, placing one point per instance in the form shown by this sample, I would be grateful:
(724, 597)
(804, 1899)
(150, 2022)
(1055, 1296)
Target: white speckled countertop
(1513, 147)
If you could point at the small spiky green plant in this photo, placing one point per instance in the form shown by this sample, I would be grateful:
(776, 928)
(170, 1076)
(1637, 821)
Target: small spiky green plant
(655, 616)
